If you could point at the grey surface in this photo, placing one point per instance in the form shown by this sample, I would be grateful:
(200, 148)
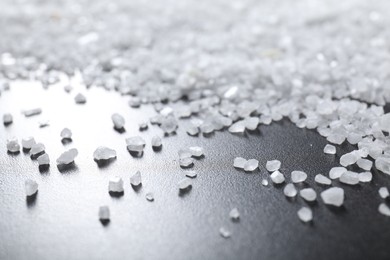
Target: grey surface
(62, 222)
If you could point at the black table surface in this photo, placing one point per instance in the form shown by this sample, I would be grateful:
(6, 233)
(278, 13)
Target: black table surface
(62, 221)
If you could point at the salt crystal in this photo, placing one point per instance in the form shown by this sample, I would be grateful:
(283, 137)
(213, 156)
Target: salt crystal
(225, 233)
(43, 124)
(234, 214)
(149, 196)
(43, 159)
(239, 162)
(251, 123)
(238, 127)
(349, 158)
(80, 99)
(115, 184)
(104, 153)
(184, 153)
(184, 184)
(308, 194)
(196, 151)
(384, 192)
(350, 178)
(118, 120)
(193, 130)
(186, 162)
(365, 164)
(273, 165)
(305, 214)
(28, 142)
(384, 122)
(156, 142)
(104, 213)
(383, 164)
(329, 149)
(277, 177)
(68, 88)
(191, 174)
(7, 119)
(67, 157)
(333, 196)
(166, 111)
(31, 187)
(66, 133)
(384, 209)
(13, 145)
(335, 138)
(135, 144)
(264, 182)
(365, 176)
(289, 190)
(37, 149)
(143, 126)
(32, 112)
(251, 165)
(169, 124)
(135, 102)
(298, 176)
(336, 172)
(136, 179)
(321, 179)
(207, 128)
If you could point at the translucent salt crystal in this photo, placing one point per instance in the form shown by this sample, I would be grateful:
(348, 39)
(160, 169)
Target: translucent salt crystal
(365, 164)
(239, 162)
(66, 133)
(305, 214)
(156, 120)
(383, 164)
(43, 159)
(166, 111)
(184, 184)
(196, 151)
(80, 99)
(350, 178)
(135, 144)
(104, 154)
(7, 119)
(336, 172)
(224, 232)
(193, 130)
(13, 146)
(238, 127)
(104, 213)
(135, 102)
(186, 162)
(68, 88)
(335, 138)
(143, 126)
(118, 121)
(31, 187)
(277, 177)
(207, 128)
(290, 191)
(251, 165)
(354, 138)
(333, 196)
(273, 165)
(365, 176)
(298, 176)
(329, 149)
(37, 149)
(149, 196)
(191, 174)
(384, 192)
(32, 112)
(321, 179)
(308, 194)
(349, 158)
(136, 179)
(156, 141)
(234, 214)
(251, 123)
(169, 125)
(28, 142)
(184, 153)
(115, 184)
(384, 209)
(67, 157)
(264, 182)
(384, 122)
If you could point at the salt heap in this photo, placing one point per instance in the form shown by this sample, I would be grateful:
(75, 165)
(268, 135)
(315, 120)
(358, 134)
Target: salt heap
(115, 185)
(66, 133)
(31, 187)
(7, 119)
(333, 196)
(118, 120)
(103, 153)
(28, 142)
(104, 213)
(298, 176)
(136, 179)
(43, 159)
(273, 165)
(135, 144)
(67, 157)
(13, 146)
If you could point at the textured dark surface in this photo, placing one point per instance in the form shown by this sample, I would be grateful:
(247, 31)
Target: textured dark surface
(62, 222)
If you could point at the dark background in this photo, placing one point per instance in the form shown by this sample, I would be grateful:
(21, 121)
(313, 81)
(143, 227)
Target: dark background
(62, 222)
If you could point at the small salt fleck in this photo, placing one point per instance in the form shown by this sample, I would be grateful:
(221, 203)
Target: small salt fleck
(251, 165)
(67, 157)
(384, 209)
(191, 174)
(184, 184)
(308, 194)
(149, 196)
(298, 176)
(7, 119)
(156, 141)
(135, 144)
(104, 153)
(277, 177)
(13, 145)
(80, 99)
(66, 133)
(234, 214)
(37, 149)
(104, 213)
(264, 182)
(365, 176)
(68, 88)
(43, 159)
(115, 184)
(186, 162)
(239, 162)
(31, 187)
(333, 196)
(321, 179)
(273, 165)
(28, 142)
(196, 151)
(384, 192)
(143, 126)
(305, 214)
(225, 233)
(118, 120)
(330, 149)
(336, 172)
(365, 164)
(136, 179)
(350, 178)
(289, 190)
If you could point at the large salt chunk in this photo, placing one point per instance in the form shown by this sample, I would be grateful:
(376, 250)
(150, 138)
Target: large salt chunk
(321, 179)
(298, 176)
(290, 191)
(349, 177)
(336, 172)
(7, 119)
(251, 165)
(135, 144)
(156, 142)
(31, 187)
(196, 151)
(32, 112)
(28, 142)
(277, 177)
(13, 145)
(66, 133)
(136, 179)
(103, 153)
(239, 162)
(80, 99)
(349, 158)
(234, 214)
(333, 196)
(104, 213)
(365, 176)
(184, 184)
(118, 120)
(67, 157)
(305, 214)
(330, 149)
(382, 163)
(384, 192)
(273, 165)
(365, 164)
(308, 194)
(37, 149)
(115, 184)
(384, 209)
(43, 159)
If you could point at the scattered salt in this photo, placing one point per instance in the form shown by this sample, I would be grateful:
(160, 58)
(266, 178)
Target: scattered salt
(384, 209)
(13, 146)
(43, 159)
(184, 184)
(149, 196)
(186, 162)
(196, 151)
(135, 144)
(365, 176)
(224, 232)
(37, 149)
(80, 99)
(66, 133)
(32, 112)
(156, 142)
(7, 119)
(264, 182)
(365, 164)
(191, 174)
(28, 142)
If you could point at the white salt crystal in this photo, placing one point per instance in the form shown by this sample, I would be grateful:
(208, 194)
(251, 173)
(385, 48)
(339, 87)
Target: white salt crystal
(184, 153)
(384, 192)
(290, 191)
(32, 112)
(224, 232)
(135, 144)
(184, 184)
(384, 209)
(166, 111)
(329, 149)
(365, 176)
(196, 151)
(321, 179)
(37, 149)
(333, 196)
(136, 179)
(336, 172)
(383, 164)
(143, 126)
(28, 142)
(191, 174)
(115, 184)
(104, 213)
(193, 130)
(13, 145)
(298, 176)
(169, 124)
(66, 133)
(308, 194)
(273, 165)
(234, 214)
(277, 177)
(349, 158)
(43, 159)
(264, 182)
(68, 88)
(384, 122)
(67, 157)
(238, 127)
(335, 138)
(7, 119)
(365, 164)
(118, 120)
(135, 102)
(251, 165)
(149, 196)
(156, 141)
(239, 162)
(251, 123)
(186, 162)
(80, 99)
(104, 153)
(349, 177)
(31, 187)
(305, 214)
(207, 128)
